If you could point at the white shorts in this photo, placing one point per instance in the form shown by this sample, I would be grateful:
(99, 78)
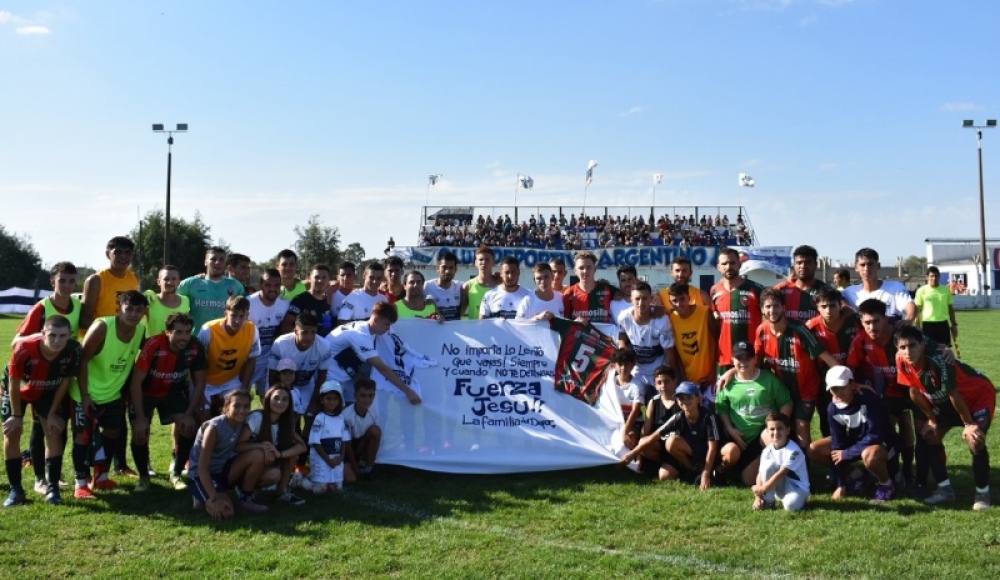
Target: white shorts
(301, 397)
(213, 390)
(260, 382)
(321, 472)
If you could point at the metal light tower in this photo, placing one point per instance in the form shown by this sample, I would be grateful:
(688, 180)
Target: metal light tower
(984, 262)
(158, 128)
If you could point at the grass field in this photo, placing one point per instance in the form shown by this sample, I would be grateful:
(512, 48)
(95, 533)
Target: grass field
(588, 523)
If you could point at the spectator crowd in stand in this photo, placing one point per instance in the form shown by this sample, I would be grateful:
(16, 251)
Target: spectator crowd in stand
(588, 232)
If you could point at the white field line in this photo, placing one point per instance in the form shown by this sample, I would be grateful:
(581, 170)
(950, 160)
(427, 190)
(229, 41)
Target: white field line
(390, 506)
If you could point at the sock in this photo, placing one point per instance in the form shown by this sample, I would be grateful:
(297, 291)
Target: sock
(985, 490)
(184, 446)
(80, 466)
(981, 469)
(117, 451)
(140, 453)
(944, 483)
(54, 466)
(37, 445)
(110, 445)
(907, 455)
(14, 473)
(885, 483)
(923, 467)
(935, 456)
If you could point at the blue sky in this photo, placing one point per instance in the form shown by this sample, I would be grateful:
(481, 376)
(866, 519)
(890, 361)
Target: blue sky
(847, 113)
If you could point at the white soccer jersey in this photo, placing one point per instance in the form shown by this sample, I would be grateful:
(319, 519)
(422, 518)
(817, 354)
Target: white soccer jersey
(358, 305)
(350, 345)
(267, 319)
(532, 305)
(649, 341)
(619, 306)
(448, 300)
(338, 301)
(358, 425)
(329, 432)
(893, 294)
(307, 363)
(790, 457)
(499, 303)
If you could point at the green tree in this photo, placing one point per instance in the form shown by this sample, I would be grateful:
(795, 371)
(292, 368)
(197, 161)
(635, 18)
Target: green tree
(354, 253)
(20, 264)
(317, 244)
(915, 266)
(188, 243)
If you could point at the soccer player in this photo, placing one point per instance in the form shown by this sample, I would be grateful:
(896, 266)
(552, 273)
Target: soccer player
(503, 300)
(167, 302)
(267, 311)
(288, 264)
(392, 285)
(346, 276)
(445, 291)
(209, 292)
(899, 304)
(41, 365)
(353, 345)
(590, 299)
(842, 278)
(360, 303)
(314, 301)
(62, 301)
(948, 394)
(474, 290)
(544, 303)
(414, 303)
(652, 339)
(312, 361)
(937, 309)
(233, 347)
(361, 419)
(696, 333)
(789, 350)
(692, 438)
(109, 352)
(783, 475)
(742, 406)
(800, 292)
(736, 303)
(168, 363)
(859, 431)
(627, 279)
(238, 268)
(835, 328)
(558, 266)
(681, 271)
(872, 359)
(101, 290)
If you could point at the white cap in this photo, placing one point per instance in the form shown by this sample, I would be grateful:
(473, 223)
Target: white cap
(287, 364)
(838, 376)
(332, 386)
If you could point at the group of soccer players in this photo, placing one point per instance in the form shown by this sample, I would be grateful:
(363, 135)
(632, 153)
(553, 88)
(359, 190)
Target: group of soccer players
(179, 351)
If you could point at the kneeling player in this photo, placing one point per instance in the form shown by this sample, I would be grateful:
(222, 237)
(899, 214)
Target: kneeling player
(949, 395)
(859, 430)
(362, 422)
(167, 364)
(692, 438)
(39, 366)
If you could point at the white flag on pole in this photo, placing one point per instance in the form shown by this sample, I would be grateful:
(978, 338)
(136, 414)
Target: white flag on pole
(657, 178)
(746, 180)
(590, 171)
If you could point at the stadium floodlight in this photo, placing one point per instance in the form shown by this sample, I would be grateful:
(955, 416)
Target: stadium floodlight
(160, 128)
(984, 258)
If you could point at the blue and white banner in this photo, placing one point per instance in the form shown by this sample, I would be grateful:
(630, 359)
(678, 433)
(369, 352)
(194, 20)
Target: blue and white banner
(491, 402)
(607, 258)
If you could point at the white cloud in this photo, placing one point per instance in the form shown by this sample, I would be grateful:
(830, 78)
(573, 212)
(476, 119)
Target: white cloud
(6, 17)
(957, 107)
(633, 111)
(33, 30)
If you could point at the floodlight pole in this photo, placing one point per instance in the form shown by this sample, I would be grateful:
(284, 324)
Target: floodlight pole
(969, 124)
(158, 128)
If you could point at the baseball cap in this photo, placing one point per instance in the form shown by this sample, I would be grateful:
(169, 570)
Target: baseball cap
(287, 364)
(743, 349)
(838, 376)
(687, 388)
(332, 386)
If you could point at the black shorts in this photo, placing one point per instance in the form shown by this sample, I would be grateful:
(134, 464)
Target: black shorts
(106, 415)
(939, 332)
(947, 417)
(175, 403)
(220, 481)
(895, 406)
(39, 409)
(748, 455)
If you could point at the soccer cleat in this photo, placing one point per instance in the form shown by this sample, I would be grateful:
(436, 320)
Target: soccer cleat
(178, 482)
(291, 499)
(127, 471)
(53, 497)
(142, 485)
(941, 495)
(104, 484)
(884, 493)
(149, 467)
(16, 497)
(982, 502)
(83, 493)
(41, 486)
(250, 506)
